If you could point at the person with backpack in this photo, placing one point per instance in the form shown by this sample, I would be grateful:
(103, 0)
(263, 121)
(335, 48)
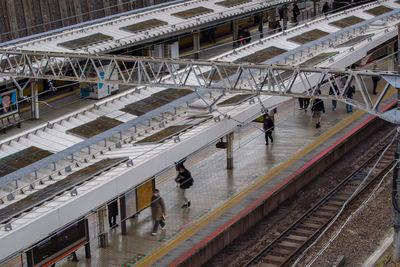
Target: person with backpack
(184, 180)
(317, 109)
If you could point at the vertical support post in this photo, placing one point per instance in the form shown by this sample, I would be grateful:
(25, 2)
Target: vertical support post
(34, 100)
(260, 25)
(390, 51)
(285, 17)
(122, 207)
(196, 44)
(314, 12)
(396, 183)
(229, 151)
(87, 251)
(272, 19)
(87, 246)
(29, 258)
(235, 32)
(103, 235)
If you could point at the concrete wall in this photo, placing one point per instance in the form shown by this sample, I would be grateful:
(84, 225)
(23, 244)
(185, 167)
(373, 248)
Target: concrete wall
(19, 18)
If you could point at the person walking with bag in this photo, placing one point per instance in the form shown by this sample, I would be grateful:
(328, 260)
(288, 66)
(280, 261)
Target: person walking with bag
(184, 180)
(158, 212)
(317, 109)
(268, 128)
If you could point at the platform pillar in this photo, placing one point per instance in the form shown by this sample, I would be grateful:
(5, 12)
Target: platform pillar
(272, 19)
(315, 12)
(390, 51)
(260, 25)
(285, 17)
(34, 100)
(235, 32)
(229, 151)
(103, 234)
(122, 207)
(196, 44)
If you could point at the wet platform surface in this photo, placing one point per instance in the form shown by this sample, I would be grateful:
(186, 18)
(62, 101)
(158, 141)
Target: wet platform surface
(216, 190)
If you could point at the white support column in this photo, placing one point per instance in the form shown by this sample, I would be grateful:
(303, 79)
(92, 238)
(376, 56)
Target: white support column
(229, 151)
(103, 234)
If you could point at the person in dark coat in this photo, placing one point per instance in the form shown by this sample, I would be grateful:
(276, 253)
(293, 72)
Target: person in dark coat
(184, 180)
(247, 36)
(349, 93)
(296, 12)
(112, 214)
(158, 211)
(325, 8)
(317, 109)
(268, 128)
(375, 80)
(281, 13)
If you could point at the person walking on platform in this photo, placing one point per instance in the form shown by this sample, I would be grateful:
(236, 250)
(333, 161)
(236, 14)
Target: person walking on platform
(296, 12)
(375, 80)
(317, 109)
(349, 93)
(301, 103)
(268, 128)
(306, 103)
(158, 212)
(325, 8)
(334, 91)
(184, 180)
(112, 214)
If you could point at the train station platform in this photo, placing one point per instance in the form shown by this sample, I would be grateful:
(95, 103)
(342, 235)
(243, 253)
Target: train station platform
(220, 198)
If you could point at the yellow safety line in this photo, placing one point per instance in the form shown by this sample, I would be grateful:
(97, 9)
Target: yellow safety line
(51, 99)
(275, 171)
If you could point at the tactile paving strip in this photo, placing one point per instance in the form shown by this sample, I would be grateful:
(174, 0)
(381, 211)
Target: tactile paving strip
(21, 159)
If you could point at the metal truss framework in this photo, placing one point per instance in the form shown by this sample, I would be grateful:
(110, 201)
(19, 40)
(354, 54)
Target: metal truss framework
(257, 79)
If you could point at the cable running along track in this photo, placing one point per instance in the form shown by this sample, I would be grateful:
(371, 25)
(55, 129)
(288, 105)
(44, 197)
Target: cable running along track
(297, 236)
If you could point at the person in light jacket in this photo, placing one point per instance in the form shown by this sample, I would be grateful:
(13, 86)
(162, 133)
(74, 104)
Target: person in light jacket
(158, 212)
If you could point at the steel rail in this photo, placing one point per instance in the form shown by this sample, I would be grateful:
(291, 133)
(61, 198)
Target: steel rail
(337, 190)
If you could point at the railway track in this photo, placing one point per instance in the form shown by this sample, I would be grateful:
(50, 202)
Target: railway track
(297, 236)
